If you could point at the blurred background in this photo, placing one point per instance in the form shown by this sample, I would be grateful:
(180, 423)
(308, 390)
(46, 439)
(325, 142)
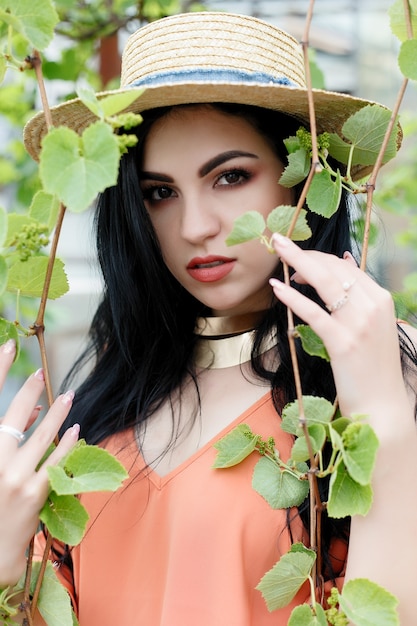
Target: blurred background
(354, 51)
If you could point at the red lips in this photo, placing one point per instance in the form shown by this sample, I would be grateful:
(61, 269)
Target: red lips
(210, 268)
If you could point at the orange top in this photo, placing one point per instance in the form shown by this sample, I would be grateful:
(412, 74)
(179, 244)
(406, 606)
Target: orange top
(187, 549)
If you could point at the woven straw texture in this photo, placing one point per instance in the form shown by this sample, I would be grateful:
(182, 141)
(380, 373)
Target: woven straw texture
(211, 42)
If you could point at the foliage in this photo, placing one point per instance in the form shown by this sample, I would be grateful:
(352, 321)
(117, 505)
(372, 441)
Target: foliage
(73, 169)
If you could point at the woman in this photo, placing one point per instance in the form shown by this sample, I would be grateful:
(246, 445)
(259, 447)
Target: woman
(182, 543)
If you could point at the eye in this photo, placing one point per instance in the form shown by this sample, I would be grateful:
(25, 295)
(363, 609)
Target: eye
(157, 193)
(232, 177)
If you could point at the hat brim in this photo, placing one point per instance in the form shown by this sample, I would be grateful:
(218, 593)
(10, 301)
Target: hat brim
(332, 109)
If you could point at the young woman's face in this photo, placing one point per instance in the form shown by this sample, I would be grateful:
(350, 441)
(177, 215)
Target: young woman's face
(201, 170)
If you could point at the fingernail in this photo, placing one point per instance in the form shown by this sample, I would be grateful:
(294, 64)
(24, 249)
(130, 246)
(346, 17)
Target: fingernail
(75, 431)
(68, 397)
(9, 347)
(39, 374)
(280, 240)
(275, 283)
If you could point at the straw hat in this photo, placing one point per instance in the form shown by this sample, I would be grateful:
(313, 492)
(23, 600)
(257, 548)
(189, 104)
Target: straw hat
(211, 57)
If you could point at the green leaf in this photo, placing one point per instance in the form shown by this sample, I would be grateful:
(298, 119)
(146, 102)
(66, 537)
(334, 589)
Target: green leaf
(300, 451)
(299, 163)
(44, 209)
(346, 496)
(3, 225)
(407, 59)
(3, 274)
(359, 456)
(9, 331)
(27, 278)
(397, 18)
(77, 168)
(281, 583)
(234, 447)
(280, 218)
(305, 615)
(54, 602)
(3, 67)
(278, 487)
(249, 226)
(117, 102)
(316, 410)
(65, 518)
(365, 130)
(311, 342)
(34, 20)
(323, 196)
(366, 604)
(86, 468)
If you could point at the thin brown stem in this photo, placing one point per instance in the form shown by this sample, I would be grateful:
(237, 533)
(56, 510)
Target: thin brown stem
(311, 108)
(42, 569)
(36, 62)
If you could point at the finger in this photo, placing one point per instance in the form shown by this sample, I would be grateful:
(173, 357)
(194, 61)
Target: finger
(67, 442)
(7, 355)
(23, 404)
(35, 448)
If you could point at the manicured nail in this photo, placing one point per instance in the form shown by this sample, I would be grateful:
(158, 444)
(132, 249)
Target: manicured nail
(39, 374)
(75, 431)
(68, 397)
(280, 240)
(9, 347)
(275, 283)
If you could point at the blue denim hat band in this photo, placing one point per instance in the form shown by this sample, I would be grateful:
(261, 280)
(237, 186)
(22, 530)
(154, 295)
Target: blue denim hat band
(211, 75)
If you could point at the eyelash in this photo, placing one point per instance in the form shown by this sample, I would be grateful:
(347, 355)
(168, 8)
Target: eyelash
(244, 175)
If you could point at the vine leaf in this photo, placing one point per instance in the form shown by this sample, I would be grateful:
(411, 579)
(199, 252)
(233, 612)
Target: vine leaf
(281, 583)
(300, 451)
(35, 21)
(4, 270)
(397, 18)
(316, 410)
(311, 342)
(305, 615)
(365, 130)
(323, 196)
(3, 225)
(77, 168)
(54, 601)
(359, 452)
(9, 331)
(65, 518)
(109, 105)
(346, 496)
(279, 488)
(27, 277)
(407, 59)
(86, 468)
(299, 163)
(365, 604)
(280, 218)
(249, 226)
(44, 209)
(234, 447)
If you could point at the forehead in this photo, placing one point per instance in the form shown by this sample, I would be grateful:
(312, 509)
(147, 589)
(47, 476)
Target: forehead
(200, 130)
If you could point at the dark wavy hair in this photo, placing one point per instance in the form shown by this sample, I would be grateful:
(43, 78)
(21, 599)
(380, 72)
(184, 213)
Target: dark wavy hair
(141, 339)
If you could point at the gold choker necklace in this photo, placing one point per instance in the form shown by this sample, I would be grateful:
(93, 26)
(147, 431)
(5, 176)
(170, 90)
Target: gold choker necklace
(227, 341)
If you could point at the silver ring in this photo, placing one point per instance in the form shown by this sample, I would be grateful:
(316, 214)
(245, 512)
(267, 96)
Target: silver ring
(10, 430)
(338, 304)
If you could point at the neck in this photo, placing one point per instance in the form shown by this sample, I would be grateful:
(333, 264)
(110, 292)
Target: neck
(227, 341)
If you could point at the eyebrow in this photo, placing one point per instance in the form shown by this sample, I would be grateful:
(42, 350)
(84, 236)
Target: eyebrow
(205, 169)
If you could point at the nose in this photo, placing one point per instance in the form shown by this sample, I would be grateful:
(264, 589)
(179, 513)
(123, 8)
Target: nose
(199, 219)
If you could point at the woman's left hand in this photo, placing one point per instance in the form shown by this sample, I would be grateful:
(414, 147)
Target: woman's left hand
(358, 327)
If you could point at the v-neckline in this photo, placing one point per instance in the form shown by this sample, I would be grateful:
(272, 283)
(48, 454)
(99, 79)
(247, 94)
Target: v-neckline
(161, 481)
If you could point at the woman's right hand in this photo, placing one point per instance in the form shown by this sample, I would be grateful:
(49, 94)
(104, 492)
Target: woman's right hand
(23, 490)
